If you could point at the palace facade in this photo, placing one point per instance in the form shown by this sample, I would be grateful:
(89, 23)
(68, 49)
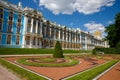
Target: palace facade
(27, 28)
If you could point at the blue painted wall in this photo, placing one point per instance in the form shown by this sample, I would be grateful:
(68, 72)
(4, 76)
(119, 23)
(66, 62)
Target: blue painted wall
(4, 32)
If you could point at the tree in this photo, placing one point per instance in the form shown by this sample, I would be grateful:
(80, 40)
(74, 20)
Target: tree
(113, 31)
(58, 53)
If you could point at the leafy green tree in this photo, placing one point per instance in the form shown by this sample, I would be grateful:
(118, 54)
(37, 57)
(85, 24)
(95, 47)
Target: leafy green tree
(58, 53)
(113, 31)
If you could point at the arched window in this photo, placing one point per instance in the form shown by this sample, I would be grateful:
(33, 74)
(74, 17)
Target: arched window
(9, 37)
(17, 40)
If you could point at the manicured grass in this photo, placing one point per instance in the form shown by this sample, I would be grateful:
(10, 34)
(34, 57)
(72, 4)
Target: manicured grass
(47, 60)
(10, 51)
(43, 64)
(22, 73)
(90, 74)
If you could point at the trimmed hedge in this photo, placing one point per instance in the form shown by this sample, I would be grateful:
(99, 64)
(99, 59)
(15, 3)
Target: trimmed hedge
(58, 53)
(107, 50)
(6, 51)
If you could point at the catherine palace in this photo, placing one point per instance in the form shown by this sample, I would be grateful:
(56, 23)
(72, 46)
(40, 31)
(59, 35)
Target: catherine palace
(24, 27)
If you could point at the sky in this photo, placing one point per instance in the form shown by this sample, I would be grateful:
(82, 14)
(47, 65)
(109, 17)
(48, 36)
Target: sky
(88, 15)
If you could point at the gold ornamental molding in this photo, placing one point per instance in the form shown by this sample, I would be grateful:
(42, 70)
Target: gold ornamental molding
(10, 22)
(19, 24)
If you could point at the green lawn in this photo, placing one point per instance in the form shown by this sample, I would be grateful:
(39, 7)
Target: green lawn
(22, 73)
(90, 74)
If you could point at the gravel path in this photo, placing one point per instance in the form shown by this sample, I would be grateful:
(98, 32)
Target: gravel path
(6, 75)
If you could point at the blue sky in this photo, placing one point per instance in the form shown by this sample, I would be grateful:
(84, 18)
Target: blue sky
(88, 15)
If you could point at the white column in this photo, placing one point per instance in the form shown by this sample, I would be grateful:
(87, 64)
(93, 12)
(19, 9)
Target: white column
(31, 41)
(31, 26)
(41, 28)
(75, 37)
(36, 26)
(36, 42)
(45, 31)
(54, 33)
(63, 35)
(50, 32)
(24, 31)
(66, 36)
(58, 34)
(85, 42)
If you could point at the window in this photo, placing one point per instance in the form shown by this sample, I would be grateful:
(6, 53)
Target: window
(17, 40)
(34, 40)
(27, 40)
(29, 20)
(0, 39)
(9, 37)
(9, 27)
(38, 27)
(61, 34)
(18, 29)
(34, 26)
(10, 18)
(19, 18)
(0, 26)
(1, 10)
(38, 42)
(1, 13)
(1, 18)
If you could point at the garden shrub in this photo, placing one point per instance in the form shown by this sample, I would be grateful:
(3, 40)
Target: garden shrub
(58, 53)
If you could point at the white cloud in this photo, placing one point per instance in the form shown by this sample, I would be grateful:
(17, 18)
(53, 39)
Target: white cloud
(92, 27)
(34, 1)
(70, 6)
(110, 22)
(92, 6)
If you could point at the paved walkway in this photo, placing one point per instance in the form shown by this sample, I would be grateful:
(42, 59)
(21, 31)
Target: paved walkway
(113, 74)
(6, 75)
